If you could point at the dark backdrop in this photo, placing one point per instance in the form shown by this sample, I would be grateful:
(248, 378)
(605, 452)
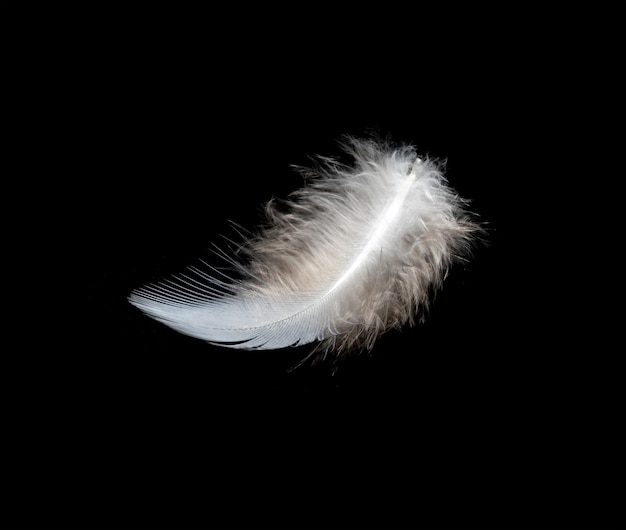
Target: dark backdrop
(483, 416)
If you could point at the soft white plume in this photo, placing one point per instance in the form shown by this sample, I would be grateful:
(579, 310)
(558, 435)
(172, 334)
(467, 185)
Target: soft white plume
(356, 252)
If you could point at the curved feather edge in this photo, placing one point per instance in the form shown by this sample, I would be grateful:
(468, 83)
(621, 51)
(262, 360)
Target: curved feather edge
(356, 252)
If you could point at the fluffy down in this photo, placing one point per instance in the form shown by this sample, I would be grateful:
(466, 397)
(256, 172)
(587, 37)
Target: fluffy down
(355, 253)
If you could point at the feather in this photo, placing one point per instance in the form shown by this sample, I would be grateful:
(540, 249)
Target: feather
(356, 252)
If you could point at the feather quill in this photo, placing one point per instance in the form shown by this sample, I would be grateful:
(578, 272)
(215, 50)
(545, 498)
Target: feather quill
(356, 252)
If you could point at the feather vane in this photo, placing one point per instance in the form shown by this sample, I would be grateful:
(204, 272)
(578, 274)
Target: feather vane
(355, 253)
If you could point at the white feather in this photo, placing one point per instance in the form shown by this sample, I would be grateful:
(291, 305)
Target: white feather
(353, 254)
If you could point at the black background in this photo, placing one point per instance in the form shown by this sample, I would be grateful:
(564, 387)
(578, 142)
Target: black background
(493, 413)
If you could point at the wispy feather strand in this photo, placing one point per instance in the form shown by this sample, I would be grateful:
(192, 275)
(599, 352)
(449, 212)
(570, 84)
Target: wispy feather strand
(355, 253)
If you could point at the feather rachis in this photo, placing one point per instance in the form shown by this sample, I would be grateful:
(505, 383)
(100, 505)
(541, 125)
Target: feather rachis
(355, 253)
